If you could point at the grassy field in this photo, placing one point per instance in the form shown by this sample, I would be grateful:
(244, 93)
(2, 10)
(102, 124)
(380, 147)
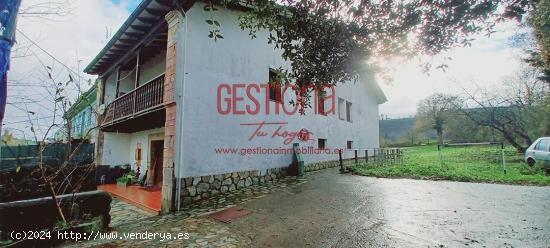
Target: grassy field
(465, 164)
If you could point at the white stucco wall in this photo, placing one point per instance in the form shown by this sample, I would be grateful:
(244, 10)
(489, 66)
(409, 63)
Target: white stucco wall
(115, 149)
(238, 59)
(120, 148)
(152, 68)
(110, 88)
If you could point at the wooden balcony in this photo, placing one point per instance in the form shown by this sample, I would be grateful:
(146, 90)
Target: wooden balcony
(139, 102)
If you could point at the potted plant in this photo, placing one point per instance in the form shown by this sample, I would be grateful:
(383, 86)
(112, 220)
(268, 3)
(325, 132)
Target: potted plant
(126, 179)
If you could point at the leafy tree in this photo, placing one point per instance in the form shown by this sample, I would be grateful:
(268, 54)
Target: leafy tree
(434, 112)
(330, 41)
(540, 22)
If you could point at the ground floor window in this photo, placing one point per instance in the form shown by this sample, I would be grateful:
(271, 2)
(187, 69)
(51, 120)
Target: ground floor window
(321, 143)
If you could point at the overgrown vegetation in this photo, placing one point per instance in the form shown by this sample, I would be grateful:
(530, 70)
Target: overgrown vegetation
(464, 164)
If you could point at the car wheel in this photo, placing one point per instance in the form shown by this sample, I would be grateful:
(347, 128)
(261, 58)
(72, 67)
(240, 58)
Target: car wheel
(531, 162)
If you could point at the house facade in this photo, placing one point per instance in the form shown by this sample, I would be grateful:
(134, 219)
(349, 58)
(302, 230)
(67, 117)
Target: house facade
(82, 117)
(198, 117)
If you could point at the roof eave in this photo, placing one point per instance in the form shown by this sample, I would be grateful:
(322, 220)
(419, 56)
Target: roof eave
(141, 7)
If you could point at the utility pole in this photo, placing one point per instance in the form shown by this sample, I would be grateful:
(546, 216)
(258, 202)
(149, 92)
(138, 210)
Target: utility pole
(8, 17)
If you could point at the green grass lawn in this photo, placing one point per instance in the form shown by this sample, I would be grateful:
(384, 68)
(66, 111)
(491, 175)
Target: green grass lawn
(465, 164)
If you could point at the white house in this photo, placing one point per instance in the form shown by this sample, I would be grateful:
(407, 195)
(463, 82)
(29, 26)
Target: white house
(197, 115)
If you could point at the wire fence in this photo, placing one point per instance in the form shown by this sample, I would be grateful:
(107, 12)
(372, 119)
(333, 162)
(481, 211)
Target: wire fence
(53, 155)
(480, 156)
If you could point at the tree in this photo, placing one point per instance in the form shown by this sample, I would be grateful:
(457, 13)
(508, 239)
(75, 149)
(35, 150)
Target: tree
(518, 111)
(434, 111)
(330, 41)
(540, 55)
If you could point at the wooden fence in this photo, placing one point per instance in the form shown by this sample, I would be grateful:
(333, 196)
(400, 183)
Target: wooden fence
(371, 156)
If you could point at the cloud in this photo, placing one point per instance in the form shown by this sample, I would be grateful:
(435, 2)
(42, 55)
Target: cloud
(74, 40)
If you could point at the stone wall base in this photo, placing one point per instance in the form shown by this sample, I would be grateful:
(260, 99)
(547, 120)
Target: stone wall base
(322, 165)
(197, 188)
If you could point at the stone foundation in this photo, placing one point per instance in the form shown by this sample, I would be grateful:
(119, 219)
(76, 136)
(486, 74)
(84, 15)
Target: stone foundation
(197, 188)
(321, 165)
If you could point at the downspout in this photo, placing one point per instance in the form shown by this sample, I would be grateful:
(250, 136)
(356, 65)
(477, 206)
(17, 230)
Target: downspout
(180, 113)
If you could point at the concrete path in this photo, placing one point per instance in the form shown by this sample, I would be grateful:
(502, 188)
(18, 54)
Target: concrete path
(123, 212)
(333, 210)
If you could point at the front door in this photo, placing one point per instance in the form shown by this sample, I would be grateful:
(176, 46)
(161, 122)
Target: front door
(157, 151)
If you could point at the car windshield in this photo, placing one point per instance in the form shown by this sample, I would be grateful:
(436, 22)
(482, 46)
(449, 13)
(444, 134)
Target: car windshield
(543, 145)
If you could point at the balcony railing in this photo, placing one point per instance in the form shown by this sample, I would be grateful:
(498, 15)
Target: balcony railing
(138, 101)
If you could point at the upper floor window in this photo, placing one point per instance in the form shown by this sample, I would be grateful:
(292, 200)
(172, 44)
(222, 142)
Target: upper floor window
(90, 117)
(348, 111)
(274, 86)
(321, 105)
(341, 108)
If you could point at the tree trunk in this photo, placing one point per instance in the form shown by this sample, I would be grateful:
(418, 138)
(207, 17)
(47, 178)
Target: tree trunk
(49, 184)
(513, 142)
(440, 136)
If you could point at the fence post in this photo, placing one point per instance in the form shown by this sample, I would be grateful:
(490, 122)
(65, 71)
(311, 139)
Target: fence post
(18, 161)
(366, 156)
(503, 158)
(356, 161)
(439, 155)
(383, 157)
(341, 162)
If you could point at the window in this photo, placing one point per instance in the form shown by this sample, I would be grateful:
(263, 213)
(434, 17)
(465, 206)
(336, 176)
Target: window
(341, 109)
(543, 145)
(274, 86)
(83, 119)
(90, 117)
(348, 111)
(321, 105)
(349, 145)
(322, 143)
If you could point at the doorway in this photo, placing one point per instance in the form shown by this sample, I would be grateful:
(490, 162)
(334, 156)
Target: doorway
(157, 154)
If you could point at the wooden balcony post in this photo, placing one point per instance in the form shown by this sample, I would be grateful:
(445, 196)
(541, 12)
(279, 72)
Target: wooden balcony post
(136, 83)
(138, 69)
(117, 82)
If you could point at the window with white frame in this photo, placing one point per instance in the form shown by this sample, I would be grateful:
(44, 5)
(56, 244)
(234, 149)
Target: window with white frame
(341, 108)
(348, 111)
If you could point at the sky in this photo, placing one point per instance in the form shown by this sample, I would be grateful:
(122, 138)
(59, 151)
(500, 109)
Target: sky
(483, 65)
(74, 40)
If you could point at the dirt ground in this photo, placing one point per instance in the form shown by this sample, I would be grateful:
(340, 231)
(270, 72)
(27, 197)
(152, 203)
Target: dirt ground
(333, 210)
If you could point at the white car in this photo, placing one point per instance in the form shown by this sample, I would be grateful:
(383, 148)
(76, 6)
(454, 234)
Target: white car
(539, 153)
